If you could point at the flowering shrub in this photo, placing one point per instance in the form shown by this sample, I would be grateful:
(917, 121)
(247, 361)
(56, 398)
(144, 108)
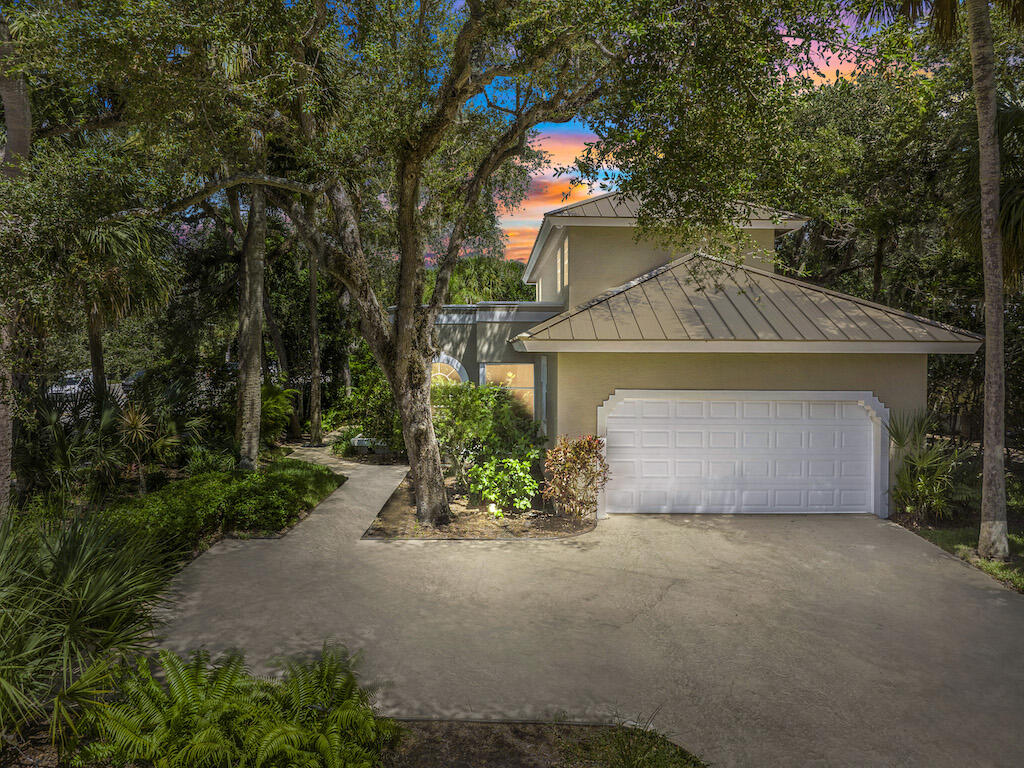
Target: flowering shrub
(576, 472)
(507, 483)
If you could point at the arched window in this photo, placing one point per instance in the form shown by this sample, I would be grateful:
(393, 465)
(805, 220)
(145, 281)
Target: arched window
(447, 370)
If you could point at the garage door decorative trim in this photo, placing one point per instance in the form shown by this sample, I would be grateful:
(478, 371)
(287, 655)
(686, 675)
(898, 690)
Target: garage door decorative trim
(875, 408)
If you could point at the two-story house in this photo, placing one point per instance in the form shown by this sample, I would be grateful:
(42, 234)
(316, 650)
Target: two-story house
(717, 388)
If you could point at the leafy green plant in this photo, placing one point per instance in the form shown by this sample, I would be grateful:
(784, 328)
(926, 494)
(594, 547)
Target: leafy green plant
(75, 595)
(475, 424)
(507, 483)
(200, 459)
(576, 471)
(926, 484)
(333, 418)
(185, 512)
(276, 407)
(342, 445)
(219, 715)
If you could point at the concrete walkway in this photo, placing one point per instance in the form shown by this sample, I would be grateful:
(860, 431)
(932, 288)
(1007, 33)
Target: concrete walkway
(759, 641)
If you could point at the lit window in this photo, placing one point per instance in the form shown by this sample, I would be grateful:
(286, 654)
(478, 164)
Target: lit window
(518, 377)
(443, 373)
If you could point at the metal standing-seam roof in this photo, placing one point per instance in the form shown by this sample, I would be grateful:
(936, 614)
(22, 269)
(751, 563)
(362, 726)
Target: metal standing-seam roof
(699, 303)
(616, 205)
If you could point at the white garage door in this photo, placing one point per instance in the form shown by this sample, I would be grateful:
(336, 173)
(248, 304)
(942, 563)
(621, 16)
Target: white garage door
(738, 454)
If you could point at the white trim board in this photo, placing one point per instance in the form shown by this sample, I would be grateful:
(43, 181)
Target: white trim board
(877, 411)
(525, 344)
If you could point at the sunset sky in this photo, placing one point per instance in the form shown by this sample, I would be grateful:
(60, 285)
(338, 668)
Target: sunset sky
(563, 142)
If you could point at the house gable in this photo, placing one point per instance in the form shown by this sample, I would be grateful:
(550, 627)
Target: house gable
(585, 248)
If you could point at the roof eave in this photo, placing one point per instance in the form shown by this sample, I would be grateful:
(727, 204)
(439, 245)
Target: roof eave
(526, 343)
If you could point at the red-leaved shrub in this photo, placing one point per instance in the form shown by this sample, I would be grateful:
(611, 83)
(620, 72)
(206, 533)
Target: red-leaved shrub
(576, 472)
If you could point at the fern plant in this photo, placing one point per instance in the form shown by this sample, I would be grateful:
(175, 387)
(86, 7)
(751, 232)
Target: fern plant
(215, 715)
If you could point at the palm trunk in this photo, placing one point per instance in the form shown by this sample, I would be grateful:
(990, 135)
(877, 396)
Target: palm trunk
(992, 541)
(250, 332)
(99, 375)
(6, 420)
(17, 108)
(315, 438)
(424, 455)
(294, 427)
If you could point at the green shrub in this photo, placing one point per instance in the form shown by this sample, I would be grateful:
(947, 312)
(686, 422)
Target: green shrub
(474, 424)
(342, 446)
(276, 407)
(507, 483)
(183, 513)
(180, 514)
(926, 485)
(74, 596)
(273, 499)
(576, 472)
(336, 417)
(200, 459)
(221, 716)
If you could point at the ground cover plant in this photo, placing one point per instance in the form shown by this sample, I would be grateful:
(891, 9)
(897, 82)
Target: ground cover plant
(441, 744)
(962, 541)
(958, 532)
(187, 512)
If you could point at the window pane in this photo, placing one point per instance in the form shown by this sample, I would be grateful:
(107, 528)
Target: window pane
(509, 374)
(525, 396)
(442, 373)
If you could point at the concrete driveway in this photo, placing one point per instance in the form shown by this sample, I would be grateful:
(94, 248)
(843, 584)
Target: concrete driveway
(758, 641)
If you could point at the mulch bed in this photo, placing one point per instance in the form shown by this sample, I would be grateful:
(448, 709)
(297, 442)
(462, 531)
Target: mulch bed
(397, 520)
(454, 744)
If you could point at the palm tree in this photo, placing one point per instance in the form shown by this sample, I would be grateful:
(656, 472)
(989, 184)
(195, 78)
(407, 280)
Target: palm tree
(945, 21)
(128, 271)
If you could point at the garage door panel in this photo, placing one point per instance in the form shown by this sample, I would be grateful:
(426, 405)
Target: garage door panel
(746, 456)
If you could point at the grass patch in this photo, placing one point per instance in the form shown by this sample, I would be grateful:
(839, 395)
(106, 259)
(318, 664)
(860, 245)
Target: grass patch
(963, 543)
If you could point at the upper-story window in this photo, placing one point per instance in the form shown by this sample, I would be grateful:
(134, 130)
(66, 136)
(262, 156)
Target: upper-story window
(518, 377)
(562, 266)
(565, 261)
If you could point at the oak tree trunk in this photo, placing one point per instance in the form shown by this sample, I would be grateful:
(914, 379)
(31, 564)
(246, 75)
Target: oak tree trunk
(94, 332)
(413, 400)
(250, 332)
(992, 541)
(315, 437)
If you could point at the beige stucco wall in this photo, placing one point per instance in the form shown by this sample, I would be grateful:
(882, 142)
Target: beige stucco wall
(604, 257)
(585, 380)
(601, 258)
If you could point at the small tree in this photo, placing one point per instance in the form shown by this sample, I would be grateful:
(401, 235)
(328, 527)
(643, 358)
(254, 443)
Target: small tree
(577, 472)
